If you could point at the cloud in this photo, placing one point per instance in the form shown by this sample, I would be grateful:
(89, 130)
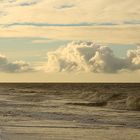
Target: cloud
(90, 57)
(133, 58)
(104, 34)
(13, 67)
(41, 41)
(27, 4)
(133, 22)
(82, 24)
(16, 2)
(84, 11)
(65, 6)
(39, 24)
(101, 20)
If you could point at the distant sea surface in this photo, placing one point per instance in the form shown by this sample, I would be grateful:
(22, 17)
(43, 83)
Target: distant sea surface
(69, 111)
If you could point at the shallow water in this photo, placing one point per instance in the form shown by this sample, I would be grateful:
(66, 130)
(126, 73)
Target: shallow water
(68, 112)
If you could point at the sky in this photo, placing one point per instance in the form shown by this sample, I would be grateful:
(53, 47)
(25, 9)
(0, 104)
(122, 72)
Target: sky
(69, 41)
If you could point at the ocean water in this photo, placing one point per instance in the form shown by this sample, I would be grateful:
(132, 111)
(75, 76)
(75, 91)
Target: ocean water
(52, 111)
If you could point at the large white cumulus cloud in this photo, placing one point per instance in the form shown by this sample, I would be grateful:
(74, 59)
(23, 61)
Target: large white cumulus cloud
(134, 58)
(90, 57)
(13, 67)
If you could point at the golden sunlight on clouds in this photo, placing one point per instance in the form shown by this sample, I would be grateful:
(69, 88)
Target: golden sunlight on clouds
(70, 11)
(99, 20)
(54, 22)
(90, 57)
(116, 34)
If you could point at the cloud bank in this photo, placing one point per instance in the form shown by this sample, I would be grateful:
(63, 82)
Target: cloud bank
(75, 10)
(90, 57)
(108, 21)
(72, 19)
(13, 67)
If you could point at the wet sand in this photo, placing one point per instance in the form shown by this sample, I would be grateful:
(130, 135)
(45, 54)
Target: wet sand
(69, 112)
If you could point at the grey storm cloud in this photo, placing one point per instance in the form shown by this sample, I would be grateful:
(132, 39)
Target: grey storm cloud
(13, 67)
(90, 57)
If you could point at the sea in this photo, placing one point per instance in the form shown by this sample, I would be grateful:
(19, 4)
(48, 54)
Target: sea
(69, 111)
